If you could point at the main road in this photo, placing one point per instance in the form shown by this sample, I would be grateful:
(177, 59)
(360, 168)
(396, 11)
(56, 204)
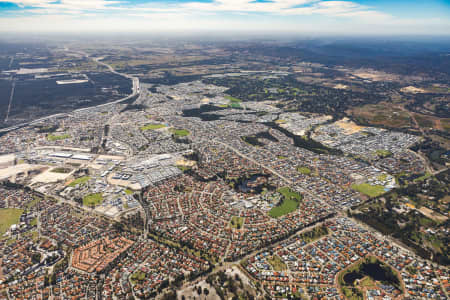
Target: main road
(135, 92)
(287, 180)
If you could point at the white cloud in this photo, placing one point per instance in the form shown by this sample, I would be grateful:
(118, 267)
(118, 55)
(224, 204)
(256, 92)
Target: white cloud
(281, 15)
(65, 4)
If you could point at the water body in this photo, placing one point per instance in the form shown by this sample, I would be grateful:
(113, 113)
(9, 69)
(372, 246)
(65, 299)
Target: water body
(374, 271)
(243, 187)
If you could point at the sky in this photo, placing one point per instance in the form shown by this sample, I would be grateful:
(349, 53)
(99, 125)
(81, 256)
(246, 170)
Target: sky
(309, 17)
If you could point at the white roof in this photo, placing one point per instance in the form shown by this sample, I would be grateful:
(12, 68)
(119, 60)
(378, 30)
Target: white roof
(81, 157)
(7, 158)
(61, 154)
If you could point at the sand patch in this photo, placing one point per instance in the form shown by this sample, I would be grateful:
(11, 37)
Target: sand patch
(432, 214)
(48, 176)
(348, 126)
(340, 86)
(413, 90)
(185, 163)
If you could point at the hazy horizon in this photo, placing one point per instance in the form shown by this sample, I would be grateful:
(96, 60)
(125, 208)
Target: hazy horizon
(296, 17)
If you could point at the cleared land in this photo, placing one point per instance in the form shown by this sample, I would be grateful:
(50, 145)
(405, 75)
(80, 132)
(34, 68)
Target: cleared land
(290, 202)
(93, 199)
(52, 137)
(369, 190)
(382, 114)
(9, 216)
(348, 126)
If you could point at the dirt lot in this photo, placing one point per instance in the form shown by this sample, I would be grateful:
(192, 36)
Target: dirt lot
(49, 176)
(349, 126)
(412, 90)
(432, 214)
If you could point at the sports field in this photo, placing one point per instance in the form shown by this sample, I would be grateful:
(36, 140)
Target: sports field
(93, 199)
(369, 190)
(9, 216)
(179, 132)
(152, 127)
(80, 181)
(290, 202)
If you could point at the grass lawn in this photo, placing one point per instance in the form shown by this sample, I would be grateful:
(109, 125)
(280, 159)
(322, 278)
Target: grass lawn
(152, 127)
(423, 177)
(289, 194)
(184, 168)
(33, 203)
(236, 222)
(369, 190)
(235, 105)
(276, 263)
(366, 282)
(314, 234)
(52, 137)
(290, 202)
(33, 222)
(80, 181)
(129, 192)
(304, 170)
(383, 153)
(232, 99)
(61, 170)
(137, 276)
(382, 177)
(93, 199)
(179, 132)
(9, 216)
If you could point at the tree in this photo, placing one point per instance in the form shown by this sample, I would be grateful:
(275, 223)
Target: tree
(206, 291)
(36, 257)
(170, 295)
(199, 290)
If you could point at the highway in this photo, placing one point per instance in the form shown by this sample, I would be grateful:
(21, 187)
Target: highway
(135, 92)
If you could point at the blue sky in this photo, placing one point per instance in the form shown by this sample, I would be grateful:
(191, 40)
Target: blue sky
(360, 17)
